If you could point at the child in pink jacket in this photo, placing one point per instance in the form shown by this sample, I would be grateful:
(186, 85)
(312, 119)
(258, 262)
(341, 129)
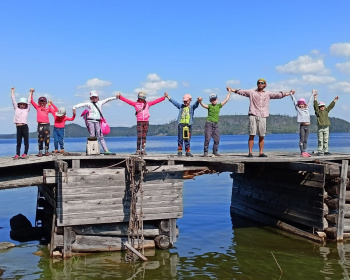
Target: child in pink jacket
(60, 123)
(42, 117)
(142, 116)
(21, 114)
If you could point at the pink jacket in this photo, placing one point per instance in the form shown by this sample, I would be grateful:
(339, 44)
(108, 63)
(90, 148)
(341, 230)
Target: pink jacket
(143, 114)
(20, 114)
(60, 122)
(42, 113)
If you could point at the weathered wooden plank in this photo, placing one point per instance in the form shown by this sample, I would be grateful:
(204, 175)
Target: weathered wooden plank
(342, 194)
(75, 163)
(308, 167)
(91, 196)
(67, 242)
(24, 182)
(48, 194)
(116, 219)
(67, 209)
(150, 229)
(85, 243)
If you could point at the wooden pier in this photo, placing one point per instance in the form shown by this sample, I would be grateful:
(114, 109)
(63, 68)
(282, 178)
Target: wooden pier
(95, 203)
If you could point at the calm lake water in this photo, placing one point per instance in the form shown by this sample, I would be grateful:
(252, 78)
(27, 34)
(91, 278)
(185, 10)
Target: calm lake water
(211, 244)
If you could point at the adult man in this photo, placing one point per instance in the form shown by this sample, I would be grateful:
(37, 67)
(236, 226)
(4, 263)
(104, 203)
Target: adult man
(258, 112)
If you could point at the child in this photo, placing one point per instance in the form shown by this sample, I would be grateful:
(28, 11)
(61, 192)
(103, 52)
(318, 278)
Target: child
(142, 115)
(42, 115)
(21, 113)
(185, 121)
(60, 122)
(212, 122)
(323, 123)
(303, 117)
(94, 116)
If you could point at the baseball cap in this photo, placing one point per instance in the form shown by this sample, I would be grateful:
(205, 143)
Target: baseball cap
(321, 104)
(61, 112)
(42, 99)
(213, 96)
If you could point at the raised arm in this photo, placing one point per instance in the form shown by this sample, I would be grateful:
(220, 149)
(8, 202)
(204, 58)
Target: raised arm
(122, 98)
(200, 99)
(293, 99)
(226, 99)
(14, 103)
(32, 98)
(155, 101)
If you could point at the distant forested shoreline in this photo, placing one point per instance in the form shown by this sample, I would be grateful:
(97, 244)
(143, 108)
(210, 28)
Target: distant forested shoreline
(229, 124)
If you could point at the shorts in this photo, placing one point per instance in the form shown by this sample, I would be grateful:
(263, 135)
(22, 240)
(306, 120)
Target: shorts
(257, 126)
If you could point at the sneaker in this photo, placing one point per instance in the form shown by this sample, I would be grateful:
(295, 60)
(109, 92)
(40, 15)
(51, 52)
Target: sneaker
(305, 154)
(308, 154)
(250, 155)
(16, 157)
(327, 153)
(55, 152)
(179, 153)
(137, 153)
(107, 152)
(24, 156)
(319, 154)
(40, 154)
(216, 155)
(205, 154)
(188, 154)
(262, 155)
(143, 152)
(62, 151)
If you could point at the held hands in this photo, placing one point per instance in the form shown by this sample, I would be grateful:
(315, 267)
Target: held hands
(200, 99)
(166, 95)
(50, 101)
(74, 112)
(292, 91)
(316, 95)
(118, 95)
(314, 92)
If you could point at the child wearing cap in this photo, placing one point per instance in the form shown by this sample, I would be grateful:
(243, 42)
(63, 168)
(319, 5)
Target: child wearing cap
(94, 116)
(42, 116)
(303, 118)
(58, 130)
(142, 116)
(21, 113)
(323, 123)
(185, 121)
(211, 128)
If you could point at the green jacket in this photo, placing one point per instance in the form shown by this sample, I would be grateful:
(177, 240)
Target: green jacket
(322, 116)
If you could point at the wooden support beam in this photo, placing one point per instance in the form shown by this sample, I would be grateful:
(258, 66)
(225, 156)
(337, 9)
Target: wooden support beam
(76, 163)
(137, 253)
(172, 231)
(67, 242)
(342, 194)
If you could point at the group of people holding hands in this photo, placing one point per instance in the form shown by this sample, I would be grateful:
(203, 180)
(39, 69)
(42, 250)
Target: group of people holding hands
(258, 112)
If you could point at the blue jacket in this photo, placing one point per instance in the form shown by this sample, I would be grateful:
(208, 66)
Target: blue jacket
(181, 106)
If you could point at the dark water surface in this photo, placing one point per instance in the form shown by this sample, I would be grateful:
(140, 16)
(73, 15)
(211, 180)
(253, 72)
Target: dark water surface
(211, 244)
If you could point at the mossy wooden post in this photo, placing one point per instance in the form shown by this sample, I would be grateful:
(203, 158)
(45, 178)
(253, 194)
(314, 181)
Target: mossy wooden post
(342, 194)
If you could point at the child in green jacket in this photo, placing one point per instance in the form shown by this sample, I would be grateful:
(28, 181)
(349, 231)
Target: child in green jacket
(323, 123)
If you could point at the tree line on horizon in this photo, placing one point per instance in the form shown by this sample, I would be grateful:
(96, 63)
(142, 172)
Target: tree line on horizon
(229, 124)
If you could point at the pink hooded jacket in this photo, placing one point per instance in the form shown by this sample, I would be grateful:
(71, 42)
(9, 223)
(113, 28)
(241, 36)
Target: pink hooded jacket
(143, 114)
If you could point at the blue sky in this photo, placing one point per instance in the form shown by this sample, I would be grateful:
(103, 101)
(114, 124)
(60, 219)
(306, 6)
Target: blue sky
(64, 49)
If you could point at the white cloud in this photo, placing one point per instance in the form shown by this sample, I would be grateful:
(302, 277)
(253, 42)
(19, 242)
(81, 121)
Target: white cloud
(345, 107)
(344, 67)
(211, 90)
(154, 84)
(185, 84)
(303, 65)
(340, 49)
(232, 82)
(95, 83)
(7, 109)
(315, 79)
(340, 87)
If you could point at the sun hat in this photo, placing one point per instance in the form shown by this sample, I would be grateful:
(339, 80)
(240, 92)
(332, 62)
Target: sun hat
(141, 95)
(213, 96)
(42, 99)
(61, 112)
(321, 104)
(187, 96)
(23, 100)
(301, 101)
(93, 93)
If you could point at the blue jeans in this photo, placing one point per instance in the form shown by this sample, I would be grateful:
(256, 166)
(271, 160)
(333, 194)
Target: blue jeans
(58, 136)
(181, 140)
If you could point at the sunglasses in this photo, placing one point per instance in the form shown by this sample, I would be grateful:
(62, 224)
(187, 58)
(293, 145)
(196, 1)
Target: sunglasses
(261, 83)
